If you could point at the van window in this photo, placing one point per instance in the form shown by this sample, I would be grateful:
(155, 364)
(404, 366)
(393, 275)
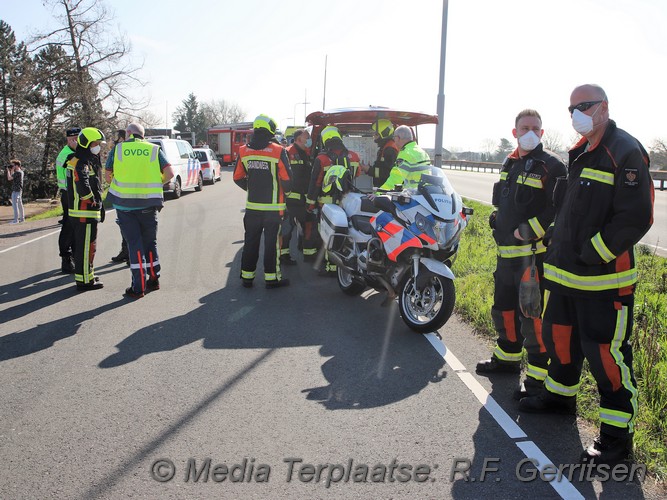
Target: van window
(184, 150)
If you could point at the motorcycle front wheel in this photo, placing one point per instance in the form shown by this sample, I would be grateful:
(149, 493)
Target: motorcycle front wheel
(428, 309)
(348, 284)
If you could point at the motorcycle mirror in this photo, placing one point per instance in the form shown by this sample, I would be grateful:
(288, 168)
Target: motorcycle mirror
(385, 204)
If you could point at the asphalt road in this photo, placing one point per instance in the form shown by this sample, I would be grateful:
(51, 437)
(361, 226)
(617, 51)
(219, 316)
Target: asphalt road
(479, 186)
(248, 393)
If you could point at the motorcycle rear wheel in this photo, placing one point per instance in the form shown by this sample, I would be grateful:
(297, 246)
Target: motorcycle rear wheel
(429, 310)
(348, 284)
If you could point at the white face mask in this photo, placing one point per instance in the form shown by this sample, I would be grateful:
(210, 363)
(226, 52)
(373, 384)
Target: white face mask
(96, 149)
(583, 123)
(529, 141)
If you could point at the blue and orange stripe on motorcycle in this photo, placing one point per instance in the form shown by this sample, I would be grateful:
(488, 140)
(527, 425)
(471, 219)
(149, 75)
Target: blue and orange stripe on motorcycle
(394, 236)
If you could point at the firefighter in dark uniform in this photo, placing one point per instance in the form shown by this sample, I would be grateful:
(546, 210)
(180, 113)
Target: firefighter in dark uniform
(301, 166)
(383, 135)
(84, 191)
(334, 153)
(263, 170)
(524, 211)
(66, 237)
(590, 274)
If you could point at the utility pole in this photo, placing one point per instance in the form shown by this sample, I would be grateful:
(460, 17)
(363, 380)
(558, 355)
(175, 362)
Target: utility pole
(441, 89)
(324, 95)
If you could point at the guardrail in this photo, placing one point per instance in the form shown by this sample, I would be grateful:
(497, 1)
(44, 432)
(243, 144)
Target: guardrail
(479, 166)
(659, 175)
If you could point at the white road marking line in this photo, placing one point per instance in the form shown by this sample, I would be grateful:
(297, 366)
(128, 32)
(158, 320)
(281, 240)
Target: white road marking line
(563, 487)
(43, 236)
(29, 241)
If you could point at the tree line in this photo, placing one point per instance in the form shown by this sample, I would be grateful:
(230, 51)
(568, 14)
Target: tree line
(78, 74)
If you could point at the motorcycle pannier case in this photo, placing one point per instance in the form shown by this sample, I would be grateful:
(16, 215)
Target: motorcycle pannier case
(334, 220)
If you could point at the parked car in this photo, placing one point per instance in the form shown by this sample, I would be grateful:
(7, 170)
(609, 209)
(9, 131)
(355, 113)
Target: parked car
(210, 166)
(187, 169)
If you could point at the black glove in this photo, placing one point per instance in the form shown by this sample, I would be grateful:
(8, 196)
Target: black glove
(103, 213)
(492, 219)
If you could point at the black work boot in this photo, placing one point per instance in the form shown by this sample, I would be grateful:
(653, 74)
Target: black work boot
(495, 365)
(121, 257)
(527, 388)
(287, 260)
(608, 449)
(67, 266)
(277, 283)
(545, 402)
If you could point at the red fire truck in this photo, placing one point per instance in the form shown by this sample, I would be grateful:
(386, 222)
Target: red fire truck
(226, 139)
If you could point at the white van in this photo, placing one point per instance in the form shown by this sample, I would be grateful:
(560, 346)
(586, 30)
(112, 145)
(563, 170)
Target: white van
(187, 169)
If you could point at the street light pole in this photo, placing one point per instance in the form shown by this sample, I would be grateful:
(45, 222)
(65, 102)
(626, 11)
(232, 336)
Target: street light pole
(441, 88)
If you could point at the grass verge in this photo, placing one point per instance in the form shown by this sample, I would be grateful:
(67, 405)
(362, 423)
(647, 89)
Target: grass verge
(474, 268)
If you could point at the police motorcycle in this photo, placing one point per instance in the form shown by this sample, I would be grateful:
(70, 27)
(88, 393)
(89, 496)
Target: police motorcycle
(402, 242)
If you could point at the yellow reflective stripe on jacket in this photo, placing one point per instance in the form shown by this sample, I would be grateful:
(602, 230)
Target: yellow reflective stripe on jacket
(536, 227)
(510, 252)
(267, 207)
(503, 176)
(591, 283)
(529, 181)
(273, 166)
(295, 196)
(598, 175)
(601, 248)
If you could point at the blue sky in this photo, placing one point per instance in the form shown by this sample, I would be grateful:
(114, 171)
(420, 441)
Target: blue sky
(502, 57)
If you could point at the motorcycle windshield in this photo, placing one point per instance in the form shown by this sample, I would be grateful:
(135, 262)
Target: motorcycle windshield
(438, 195)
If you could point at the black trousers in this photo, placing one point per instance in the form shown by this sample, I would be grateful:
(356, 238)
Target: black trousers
(66, 237)
(85, 237)
(308, 239)
(256, 224)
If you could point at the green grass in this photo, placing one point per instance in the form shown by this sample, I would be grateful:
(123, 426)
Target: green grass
(54, 212)
(474, 287)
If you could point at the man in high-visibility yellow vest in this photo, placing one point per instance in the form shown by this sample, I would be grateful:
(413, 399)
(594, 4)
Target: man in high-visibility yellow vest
(66, 237)
(412, 161)
(136, 176)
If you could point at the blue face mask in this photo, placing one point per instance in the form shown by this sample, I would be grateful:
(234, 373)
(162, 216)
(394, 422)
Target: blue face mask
(309, 142)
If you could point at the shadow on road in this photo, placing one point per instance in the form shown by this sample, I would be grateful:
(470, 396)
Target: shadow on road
(373, 358)
(556, 436)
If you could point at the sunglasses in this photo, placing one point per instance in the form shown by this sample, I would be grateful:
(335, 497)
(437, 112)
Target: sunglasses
(582, 106)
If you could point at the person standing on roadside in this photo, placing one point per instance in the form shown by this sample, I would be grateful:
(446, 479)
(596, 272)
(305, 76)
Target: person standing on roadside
(263, 171)
(299, 158)
(66, 237)
(84, 192)
(590, 274)
(524, 210)
(15, 176)
(136, 175)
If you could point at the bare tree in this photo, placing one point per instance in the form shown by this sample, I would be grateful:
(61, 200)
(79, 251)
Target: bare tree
(488, 147)
(552, 140)
(103, 75)
(218, 111)
(658, 154)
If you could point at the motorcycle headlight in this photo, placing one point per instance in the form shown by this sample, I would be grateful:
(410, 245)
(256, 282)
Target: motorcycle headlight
(425, 225)
(444, 231)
